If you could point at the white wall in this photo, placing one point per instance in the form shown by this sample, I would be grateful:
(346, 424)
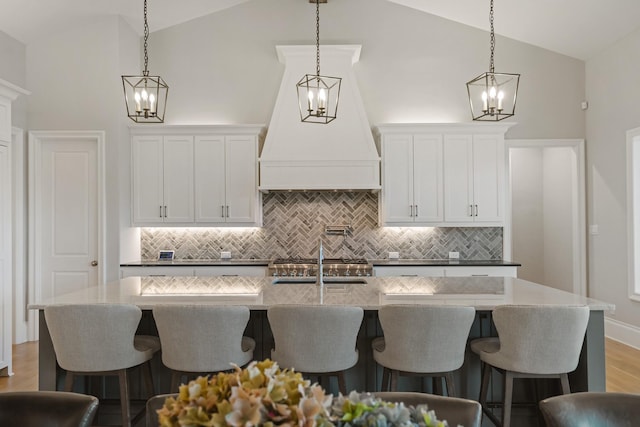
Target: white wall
(12, 69)
(75, 81)
(527, 212)
(613, 93)
(223, 68)
(558, 183)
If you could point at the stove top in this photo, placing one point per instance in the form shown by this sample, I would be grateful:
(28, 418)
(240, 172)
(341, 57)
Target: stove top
(332, 267)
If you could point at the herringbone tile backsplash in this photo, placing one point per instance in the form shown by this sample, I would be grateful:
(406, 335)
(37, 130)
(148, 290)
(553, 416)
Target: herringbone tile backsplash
(293, 222)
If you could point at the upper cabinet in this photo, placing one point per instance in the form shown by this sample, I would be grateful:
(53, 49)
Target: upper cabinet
(226, 179)
(162, 179)
(443, 174)
(195, 175)
(412, 179)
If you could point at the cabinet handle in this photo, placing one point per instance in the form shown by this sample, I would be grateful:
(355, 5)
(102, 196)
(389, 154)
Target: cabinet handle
(416, 210)
(479, 275)
(222, 207)
(227, 211)
(229, 275)
(408, 275)
(470, 210)
(476, 209)
(165, 211)
(160, 211)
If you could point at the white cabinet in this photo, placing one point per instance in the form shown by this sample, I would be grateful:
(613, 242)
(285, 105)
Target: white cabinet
(226, 187)
(474, 178)
(232, 270)
(195, 175)
(443, 174)
(412, 191)
(149, 271)
(162, 179)
(444, 271)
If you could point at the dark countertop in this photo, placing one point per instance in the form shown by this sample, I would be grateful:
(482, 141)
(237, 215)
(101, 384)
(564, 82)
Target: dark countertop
(198, 263)
(444, 263)
(375, 262)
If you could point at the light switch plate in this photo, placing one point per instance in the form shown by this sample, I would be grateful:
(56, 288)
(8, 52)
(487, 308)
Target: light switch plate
(454, 255)
(225, 255)
(394, 255)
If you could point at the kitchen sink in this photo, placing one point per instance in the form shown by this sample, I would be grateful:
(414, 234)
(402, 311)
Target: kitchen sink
(326, 280)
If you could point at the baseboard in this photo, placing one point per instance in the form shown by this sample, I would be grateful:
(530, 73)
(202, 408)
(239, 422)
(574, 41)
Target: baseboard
(622, 332)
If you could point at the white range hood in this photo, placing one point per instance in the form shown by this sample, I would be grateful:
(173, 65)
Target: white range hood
(341, 155)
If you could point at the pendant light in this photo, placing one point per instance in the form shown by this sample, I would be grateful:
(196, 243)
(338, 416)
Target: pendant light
(492, 96)
(145, 95)
(318, 95)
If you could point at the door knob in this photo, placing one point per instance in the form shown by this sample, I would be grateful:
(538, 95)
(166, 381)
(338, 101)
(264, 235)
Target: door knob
(94, 263)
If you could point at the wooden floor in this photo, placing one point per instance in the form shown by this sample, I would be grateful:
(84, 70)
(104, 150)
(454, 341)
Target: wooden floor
(622, 364)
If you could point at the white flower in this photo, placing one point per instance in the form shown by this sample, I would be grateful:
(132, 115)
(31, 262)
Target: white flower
(194, 391)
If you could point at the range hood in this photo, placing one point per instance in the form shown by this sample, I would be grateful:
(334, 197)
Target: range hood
(341, 155)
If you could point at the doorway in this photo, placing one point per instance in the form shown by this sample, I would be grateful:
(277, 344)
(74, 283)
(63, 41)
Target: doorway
(66, 217)
(546, 228)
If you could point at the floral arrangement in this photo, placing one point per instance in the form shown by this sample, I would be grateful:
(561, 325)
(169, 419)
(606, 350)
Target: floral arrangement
(264, 395)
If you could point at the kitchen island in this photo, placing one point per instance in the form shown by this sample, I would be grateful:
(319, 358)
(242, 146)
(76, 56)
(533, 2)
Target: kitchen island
(259, 293)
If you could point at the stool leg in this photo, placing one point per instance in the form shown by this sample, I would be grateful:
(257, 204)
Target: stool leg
(508, 397)
(124, 398)
(175, 379)
(451, 388)
(394, 380)
(564, 380)
(484, 388)
(68, 381)
(148, 379)
(385, 379)
(342, 387)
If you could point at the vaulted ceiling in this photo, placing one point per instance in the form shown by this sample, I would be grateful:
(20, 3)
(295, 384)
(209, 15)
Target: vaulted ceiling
(577, 28)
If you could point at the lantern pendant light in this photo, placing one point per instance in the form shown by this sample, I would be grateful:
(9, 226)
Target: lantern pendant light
(318, 95)
(492, 96)
(145, 95)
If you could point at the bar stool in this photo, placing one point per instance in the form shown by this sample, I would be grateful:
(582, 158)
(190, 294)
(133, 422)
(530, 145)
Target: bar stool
(47, 408)
(535, 341)
(316, 339)
(422, 340)
(202, 339)
(591, 409)
(100, 339)
(457, 411)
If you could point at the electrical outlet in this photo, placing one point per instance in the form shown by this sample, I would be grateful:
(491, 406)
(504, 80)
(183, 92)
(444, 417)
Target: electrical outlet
(454, 255)
(225, 255)
(394, 255)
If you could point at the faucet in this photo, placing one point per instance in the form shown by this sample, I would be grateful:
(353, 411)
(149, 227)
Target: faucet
(319, 273)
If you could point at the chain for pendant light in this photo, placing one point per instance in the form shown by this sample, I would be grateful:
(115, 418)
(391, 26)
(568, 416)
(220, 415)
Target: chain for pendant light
(492, 38)
(317, 38)
(146, 37)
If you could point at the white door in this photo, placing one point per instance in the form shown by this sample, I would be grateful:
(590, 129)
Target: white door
(66, 189)
(458, 178)
(398, 178)
(147, 177)
(178, 179)
(5, 260)
(427, 182)
(241, 180)
(209, 169)
(488, 178)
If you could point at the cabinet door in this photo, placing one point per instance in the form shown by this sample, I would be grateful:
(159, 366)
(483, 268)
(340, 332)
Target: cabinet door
(501, 271)
(427, 178)
(155, 271)
(408, 271)
(397, 187)
(458, 178)
(147, 180)
(242, 183)
(488, 178)
(178, 179)
(210, 183)
(231, 270)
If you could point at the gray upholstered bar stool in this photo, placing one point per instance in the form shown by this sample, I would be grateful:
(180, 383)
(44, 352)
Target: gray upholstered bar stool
(47, 408)
(422, 340)
(316, 339)
(457, 411)
(591, 409)
(534, 341)
(202, 339)
(100, 339)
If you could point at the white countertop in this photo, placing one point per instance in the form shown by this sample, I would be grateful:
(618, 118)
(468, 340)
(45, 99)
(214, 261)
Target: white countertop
(258, 293)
